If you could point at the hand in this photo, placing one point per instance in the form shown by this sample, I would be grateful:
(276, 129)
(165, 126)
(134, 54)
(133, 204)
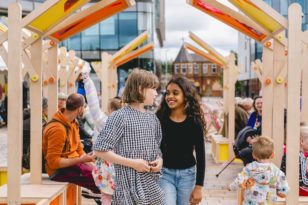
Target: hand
(249, 139)
(87, 157)
(140, 165)
(156, 165)
(196, 195)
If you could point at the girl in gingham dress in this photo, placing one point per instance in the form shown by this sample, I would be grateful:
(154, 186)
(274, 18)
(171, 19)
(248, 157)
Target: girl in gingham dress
(131, 140)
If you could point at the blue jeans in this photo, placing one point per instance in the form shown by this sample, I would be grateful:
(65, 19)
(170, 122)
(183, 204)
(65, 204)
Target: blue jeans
(177, 185)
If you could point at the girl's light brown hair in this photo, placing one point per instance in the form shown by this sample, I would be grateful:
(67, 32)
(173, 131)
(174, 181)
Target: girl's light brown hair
(136, 82)
(262, 148)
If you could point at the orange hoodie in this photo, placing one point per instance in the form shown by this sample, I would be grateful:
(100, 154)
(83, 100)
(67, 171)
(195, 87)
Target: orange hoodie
(54, 137)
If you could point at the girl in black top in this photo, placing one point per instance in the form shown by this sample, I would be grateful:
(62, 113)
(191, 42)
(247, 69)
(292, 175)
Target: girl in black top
(183, 126)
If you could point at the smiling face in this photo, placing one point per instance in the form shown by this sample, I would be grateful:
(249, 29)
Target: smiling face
(175, 97)
(258, 105)
(149, 96)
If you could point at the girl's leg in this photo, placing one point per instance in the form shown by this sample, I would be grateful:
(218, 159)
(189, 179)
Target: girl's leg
(167, 183)
(106, 199)
(185, 183)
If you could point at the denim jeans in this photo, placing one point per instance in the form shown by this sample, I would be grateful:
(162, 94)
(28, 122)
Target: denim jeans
(177, 185)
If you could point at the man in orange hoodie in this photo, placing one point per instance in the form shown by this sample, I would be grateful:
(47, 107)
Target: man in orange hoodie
(65, 160)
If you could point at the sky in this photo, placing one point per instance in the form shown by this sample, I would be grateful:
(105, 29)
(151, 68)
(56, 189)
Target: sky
(182, 18)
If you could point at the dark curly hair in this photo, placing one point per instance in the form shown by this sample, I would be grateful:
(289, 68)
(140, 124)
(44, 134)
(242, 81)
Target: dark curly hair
(191, 97)
(254, 103)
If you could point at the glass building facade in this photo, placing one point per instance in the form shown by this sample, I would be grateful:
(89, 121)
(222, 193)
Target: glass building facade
(113, 33)
(282, 7)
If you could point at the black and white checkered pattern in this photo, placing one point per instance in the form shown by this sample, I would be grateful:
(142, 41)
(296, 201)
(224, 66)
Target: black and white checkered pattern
(137, 135)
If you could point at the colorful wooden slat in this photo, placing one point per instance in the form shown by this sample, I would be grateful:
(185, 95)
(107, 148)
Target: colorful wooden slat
(258, 15)
(81, 24)
(134, 54)
(228, 19)
(55, 14)
(208, 56)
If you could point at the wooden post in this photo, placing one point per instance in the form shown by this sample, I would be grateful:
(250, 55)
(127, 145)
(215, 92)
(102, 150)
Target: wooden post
(279, 89)
(36, 113)
(52, 80)
(14, 102)
(232, 77)
(267, 91)
(304, 113)
(63, 70)
(293, 107)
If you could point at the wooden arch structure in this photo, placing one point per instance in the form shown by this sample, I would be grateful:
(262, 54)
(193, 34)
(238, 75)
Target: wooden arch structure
(55, 20)
(281, 57)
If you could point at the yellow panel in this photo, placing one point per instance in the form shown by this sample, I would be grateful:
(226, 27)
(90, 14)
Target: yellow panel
(131, 47)
(3, 177)
(223, 152)
(54, 14)
(257, 14)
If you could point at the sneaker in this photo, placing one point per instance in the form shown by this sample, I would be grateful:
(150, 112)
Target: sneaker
(86, 193)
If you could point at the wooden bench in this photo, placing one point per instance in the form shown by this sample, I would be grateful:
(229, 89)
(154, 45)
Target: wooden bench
(49, 192)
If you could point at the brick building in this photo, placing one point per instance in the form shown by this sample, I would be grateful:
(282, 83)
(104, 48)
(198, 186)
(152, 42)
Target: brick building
(206, 76)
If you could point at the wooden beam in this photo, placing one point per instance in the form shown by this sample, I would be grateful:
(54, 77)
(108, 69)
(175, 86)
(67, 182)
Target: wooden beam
(230, 17)
(267, 92)
(293, 105)
(207, 47)
(304, 113)
(14, 103)
(36, 113)
(208, 56)
(130, 46)
(134, 54)
(278, 100)
(52, 80)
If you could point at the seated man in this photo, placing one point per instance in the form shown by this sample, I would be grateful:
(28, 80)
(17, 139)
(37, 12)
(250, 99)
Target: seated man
(65, 159)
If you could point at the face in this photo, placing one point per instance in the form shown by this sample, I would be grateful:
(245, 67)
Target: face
(304, 143)
(174, 97)
(149, 96)
(259, 104)
(61, 104)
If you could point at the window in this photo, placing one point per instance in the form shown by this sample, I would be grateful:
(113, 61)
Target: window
(184, 68)
(127, 27)
(190, 68)
(176, 68)
(90, 38)
(204, 68)
(109, 33)
(214, 68)
(196, 68)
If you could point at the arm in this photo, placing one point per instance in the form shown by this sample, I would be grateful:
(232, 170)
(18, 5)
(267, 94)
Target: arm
(241, 179)
(282, 185)
(98, 116)
(157, 164)
(139, 165)
(196, 195)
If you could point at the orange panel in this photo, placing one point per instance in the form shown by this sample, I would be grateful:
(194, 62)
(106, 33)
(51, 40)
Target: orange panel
(71, 194)
(229, 20)
(90, 20)
(134, 54)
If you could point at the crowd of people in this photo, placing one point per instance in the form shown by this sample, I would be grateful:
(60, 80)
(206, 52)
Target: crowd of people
(132, 155)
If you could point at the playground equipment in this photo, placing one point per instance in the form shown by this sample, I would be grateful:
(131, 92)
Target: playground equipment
(107, 69)
(221, 147)
(273, 71)
(44, 22)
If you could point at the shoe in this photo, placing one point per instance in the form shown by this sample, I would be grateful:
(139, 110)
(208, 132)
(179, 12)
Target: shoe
(86, 193)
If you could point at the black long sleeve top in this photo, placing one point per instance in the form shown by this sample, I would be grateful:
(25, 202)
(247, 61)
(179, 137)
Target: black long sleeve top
(179, 141)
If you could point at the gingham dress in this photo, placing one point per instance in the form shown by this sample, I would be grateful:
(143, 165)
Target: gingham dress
(137, 135)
